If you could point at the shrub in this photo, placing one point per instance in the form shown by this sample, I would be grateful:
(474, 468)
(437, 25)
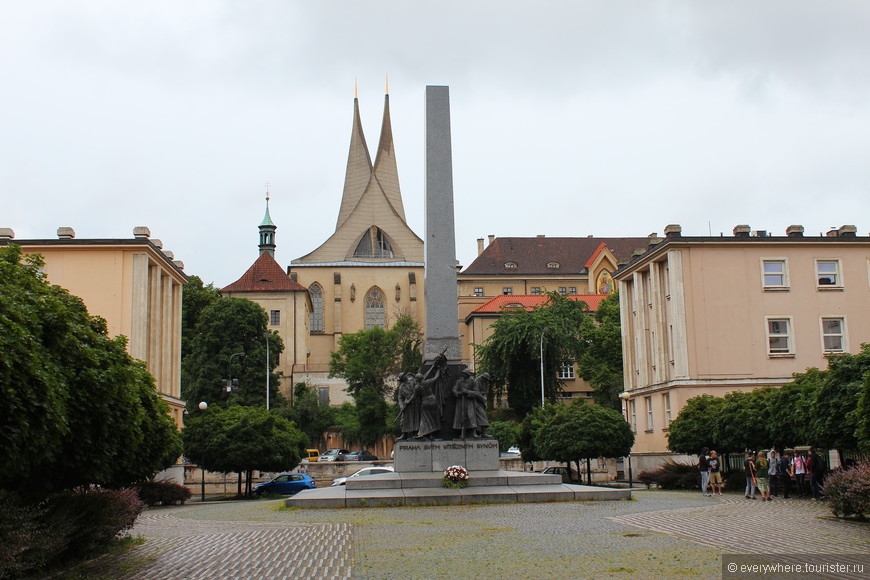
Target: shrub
(71, 524)
(848, 491)
(672, 475)
(92, 518)
(162, 492)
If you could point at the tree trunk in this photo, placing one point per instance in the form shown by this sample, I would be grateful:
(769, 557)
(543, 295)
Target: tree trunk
(239, 491)
(588, 471)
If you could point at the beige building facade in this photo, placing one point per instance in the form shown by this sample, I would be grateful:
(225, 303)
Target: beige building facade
(370, 270)
(521, 270)
(712, 315)
(135, 285)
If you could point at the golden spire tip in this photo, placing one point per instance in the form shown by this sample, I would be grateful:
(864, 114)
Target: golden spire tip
(355, 89)
(387, 90)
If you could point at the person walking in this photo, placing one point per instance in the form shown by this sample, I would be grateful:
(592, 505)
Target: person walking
(786, 472)
(704, 468)
(762, 475)
(799, 467)
(715, 473)
(749, 470)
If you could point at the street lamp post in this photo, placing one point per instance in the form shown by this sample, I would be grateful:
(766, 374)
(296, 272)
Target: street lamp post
(625, 397)
(543, 332)
(268, 369)
(229, 367)
(202, 407)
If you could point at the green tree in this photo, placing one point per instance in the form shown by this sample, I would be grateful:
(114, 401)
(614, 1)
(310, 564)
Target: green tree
(583, 431)
(511, 354)
(243, 439)
(370, 359)
(741, 423)
(690, 431)
(195, 299)
(601, 361)
(834, 418)
(863, 431)
(226, 327)
(76, 408)
(307, 412)
(506, 432)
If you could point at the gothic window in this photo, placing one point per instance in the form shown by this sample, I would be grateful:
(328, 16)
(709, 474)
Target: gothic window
(374, 308)
(316, 317)
(374, 244)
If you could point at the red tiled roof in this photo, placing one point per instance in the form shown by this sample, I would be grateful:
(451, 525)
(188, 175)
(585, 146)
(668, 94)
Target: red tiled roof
(265, 275)
(529, 301)
(531, 255)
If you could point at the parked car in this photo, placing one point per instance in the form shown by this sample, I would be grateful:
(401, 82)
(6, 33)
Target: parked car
(361, 455)
(563, 471)
(333, 455)
(362, 473)
(285, 484)
(311, 456)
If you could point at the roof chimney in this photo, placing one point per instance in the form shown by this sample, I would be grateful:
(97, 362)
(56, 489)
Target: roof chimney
(673, 231)
(141, 232)
(157, 243)
(65, 233)
(491, 238)
(7, 234)
(479, 246)
(653, 239)
(832, 234)
(741, 231)
(794, 231)
(848, 231)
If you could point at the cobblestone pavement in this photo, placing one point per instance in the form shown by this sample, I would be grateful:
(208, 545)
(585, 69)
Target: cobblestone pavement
(657, 535)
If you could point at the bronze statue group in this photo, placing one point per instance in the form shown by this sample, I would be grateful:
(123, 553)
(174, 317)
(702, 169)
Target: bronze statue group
(422, 402)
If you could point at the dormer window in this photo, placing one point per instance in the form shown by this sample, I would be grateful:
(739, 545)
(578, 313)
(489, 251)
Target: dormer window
(553, 265)
(510, 265)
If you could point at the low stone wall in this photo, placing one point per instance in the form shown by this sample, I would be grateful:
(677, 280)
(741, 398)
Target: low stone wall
(325, 472)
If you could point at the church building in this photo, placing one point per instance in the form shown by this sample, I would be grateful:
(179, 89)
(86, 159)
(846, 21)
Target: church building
(366, 274)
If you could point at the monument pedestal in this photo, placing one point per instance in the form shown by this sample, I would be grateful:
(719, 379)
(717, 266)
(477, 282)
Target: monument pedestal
(435, 456)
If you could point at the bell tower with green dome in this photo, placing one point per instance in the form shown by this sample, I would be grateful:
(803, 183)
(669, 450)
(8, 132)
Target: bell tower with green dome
(267, 231)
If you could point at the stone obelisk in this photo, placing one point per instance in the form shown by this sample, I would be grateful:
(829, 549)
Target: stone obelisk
(442, 313)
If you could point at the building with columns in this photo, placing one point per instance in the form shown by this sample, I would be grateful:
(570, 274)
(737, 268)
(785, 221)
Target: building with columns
(712, 315)
(134, 284)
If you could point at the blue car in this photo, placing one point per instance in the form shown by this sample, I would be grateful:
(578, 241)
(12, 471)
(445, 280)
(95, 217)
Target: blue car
(285, 484)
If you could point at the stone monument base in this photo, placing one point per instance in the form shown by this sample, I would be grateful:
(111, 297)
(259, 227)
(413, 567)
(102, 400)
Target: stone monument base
(416, 455)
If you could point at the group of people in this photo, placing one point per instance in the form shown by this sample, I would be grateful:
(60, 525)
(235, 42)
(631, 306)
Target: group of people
(766, 471)
(422, 402)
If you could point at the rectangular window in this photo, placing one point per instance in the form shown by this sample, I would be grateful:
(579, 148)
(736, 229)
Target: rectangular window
(566, 371)
(775, 273)
(779, 339)
(507, 291)
(666, 403)
(562, 290)
(633, 409)
(536, 290)
(833, 335)
(275, 317)
(649, 413)
(323, 396)
(572, 290)
(478, 291)
(828, 274)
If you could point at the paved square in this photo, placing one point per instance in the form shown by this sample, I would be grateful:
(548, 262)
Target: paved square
(657, 535)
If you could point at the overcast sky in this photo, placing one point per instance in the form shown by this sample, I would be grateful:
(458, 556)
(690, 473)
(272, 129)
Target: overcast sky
(569, 118)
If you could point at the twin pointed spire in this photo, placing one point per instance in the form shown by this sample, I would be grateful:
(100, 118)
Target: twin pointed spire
(361, 174)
